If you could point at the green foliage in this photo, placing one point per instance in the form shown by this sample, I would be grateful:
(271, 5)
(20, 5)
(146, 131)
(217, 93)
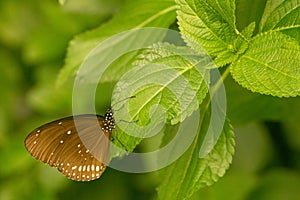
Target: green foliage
(270, 65)
(255, 45)
(284, 18)
(133, 15)
(208, 25)
(190, 173)
(265, 63)
(160, 69)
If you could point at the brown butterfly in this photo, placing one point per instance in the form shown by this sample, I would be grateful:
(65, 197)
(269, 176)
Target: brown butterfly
(78, 146)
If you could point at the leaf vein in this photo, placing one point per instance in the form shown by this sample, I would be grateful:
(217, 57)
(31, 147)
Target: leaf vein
(270, 67)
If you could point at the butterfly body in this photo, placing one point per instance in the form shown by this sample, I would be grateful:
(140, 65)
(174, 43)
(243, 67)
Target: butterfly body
(78, 146)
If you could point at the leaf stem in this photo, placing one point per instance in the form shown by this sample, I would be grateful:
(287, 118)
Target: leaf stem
(242, 36)
(216, 87)
(220, 81)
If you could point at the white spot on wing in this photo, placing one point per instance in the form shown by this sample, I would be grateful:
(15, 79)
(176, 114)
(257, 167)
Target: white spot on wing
(69, 132)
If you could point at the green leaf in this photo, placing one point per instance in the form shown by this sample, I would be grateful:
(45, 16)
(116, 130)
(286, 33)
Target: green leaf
(285, 18)
(135, 14)
(178, 83)
(270, 66)
(175, 57)
(190, 173)
(269, 8)
(208, 25)
(240, 45)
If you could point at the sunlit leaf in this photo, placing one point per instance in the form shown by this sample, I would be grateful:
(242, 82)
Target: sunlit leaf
(208, 25)
(270, 66)
(177, 82)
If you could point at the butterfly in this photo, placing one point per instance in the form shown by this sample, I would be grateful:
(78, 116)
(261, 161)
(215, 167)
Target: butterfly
(78, 146)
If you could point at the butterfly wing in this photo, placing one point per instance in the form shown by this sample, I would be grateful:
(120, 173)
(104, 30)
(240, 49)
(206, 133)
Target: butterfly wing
(79, 150)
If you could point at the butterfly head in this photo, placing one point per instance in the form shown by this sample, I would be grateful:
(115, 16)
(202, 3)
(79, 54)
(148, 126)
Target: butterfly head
(109, 121)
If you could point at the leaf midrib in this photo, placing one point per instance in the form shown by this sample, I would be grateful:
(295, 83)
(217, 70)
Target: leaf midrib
(270, 67)
(157, 15)
(193, 146)
(287, 13)
(162, 88)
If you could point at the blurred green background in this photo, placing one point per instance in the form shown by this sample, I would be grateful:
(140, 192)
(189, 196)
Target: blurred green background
(34, 36)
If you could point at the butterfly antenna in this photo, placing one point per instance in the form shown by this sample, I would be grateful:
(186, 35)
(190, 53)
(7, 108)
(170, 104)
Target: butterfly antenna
(131, 97)
(122, 120)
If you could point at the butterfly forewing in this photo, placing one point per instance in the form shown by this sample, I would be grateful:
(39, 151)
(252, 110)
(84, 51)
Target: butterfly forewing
(79, 152)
